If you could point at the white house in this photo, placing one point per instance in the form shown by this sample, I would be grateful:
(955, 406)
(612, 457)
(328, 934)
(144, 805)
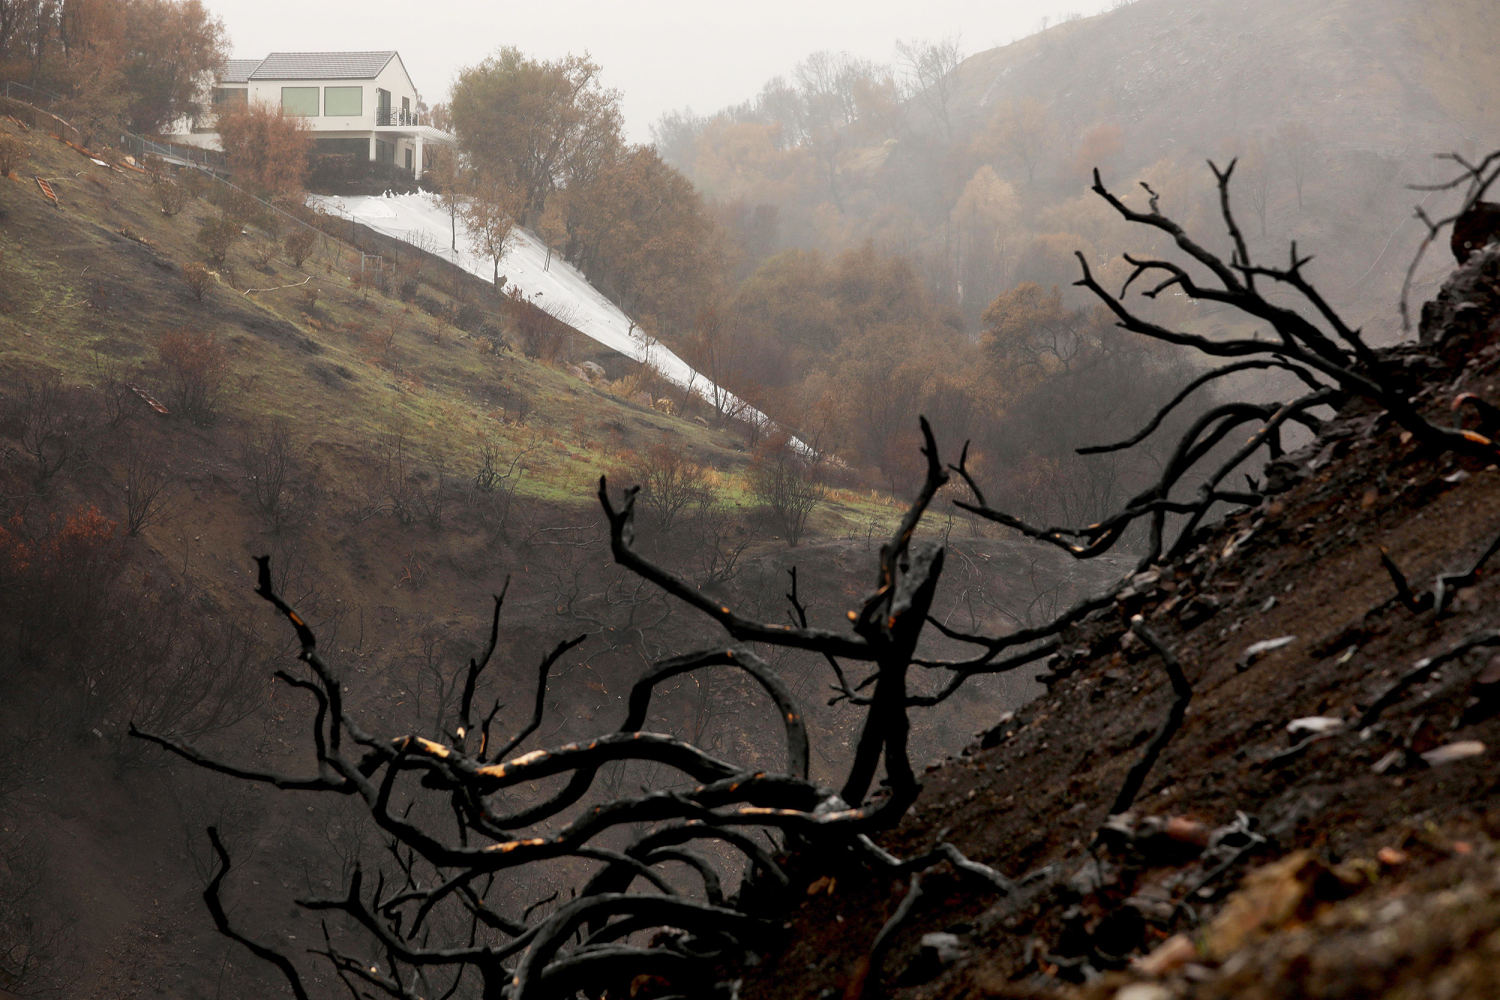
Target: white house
(362, 103)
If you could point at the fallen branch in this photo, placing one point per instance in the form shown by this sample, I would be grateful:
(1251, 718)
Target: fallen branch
(277, 288)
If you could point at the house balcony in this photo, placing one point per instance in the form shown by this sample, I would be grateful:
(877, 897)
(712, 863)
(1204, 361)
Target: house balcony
(395, 116)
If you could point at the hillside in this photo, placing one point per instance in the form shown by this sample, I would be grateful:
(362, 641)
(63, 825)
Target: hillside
(1332, 113)
(401, 444)
(1323, 823)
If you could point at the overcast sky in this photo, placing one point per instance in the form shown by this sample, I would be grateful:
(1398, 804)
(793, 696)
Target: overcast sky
(660, 54)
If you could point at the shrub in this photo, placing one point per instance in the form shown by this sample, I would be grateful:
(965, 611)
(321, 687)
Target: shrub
(216, 236)
(170, 195)
(199, 279)
(786, 481)
(669, 482)
(57, 578)
(299, 244)
(197, 368)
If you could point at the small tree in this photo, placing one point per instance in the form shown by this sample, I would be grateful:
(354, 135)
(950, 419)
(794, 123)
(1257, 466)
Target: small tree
(445, 178)
(491, 218)
(784, 477)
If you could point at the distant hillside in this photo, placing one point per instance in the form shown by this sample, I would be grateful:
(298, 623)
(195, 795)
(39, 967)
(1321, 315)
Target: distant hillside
(1333, 110)
(1384, 77)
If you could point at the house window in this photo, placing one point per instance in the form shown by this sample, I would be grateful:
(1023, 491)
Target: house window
(228, 97)
(343, 102)
(385, 152)
(301, 101)
(357, 148)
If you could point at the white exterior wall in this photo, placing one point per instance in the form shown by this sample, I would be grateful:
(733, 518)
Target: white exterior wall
(393, 78)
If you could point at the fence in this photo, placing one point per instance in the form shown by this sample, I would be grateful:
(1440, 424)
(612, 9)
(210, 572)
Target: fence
(139, 146)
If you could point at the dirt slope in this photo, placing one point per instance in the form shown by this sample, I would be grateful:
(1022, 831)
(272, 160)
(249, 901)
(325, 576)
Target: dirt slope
(1353, 858)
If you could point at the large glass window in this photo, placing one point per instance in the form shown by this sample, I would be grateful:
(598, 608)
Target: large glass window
(225, 97)
(343, 102)
(358, 148)
(299, 101)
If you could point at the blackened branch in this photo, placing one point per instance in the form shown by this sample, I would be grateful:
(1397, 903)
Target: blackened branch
(221, 921)
(1182, 691)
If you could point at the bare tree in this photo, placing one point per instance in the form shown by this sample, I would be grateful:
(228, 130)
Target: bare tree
(1330, 358)
(51, 432)
(437, 924)
(149, 489)
(268, 464)
(929, 69)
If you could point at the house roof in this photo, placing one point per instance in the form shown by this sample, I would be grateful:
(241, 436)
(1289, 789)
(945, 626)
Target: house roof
(321, 65)
(239, 70)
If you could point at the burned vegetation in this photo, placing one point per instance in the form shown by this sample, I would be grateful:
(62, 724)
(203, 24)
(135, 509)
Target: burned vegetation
(684, 883)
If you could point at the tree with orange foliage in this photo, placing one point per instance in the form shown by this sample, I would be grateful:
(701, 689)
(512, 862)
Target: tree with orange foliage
(267, 151)
(535, 126)
(490, 215)
(641, 232)
(145, 61)
(170, 49)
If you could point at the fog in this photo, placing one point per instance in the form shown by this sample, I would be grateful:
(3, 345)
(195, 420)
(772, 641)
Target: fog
(661, 54)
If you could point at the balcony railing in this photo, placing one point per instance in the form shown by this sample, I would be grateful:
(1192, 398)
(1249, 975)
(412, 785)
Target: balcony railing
(395, 116)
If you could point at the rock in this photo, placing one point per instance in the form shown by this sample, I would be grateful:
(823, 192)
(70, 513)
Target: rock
(593, 370)
(1282, 474)
(1450, 752)
(1392, 857)
(1173, 953)
(1271, 896)
(1477, 227)
(936, 952)
(946, 948)
(1255, 651)
(1143, 991)
(1314, 725)
(1197, 610)
(1462, 319)
(1485, 692)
